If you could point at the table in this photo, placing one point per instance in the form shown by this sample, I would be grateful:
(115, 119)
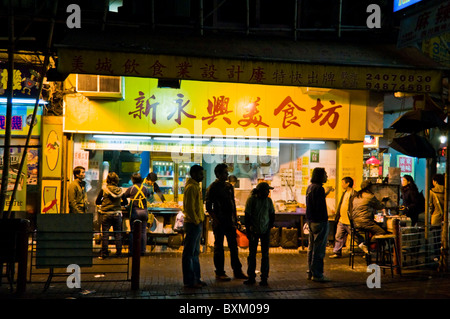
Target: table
(292, 219)
(287, 219)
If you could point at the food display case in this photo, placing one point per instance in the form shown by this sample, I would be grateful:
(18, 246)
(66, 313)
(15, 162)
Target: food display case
(172, 176)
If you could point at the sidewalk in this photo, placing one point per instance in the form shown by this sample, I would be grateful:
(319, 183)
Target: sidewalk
(161, 278)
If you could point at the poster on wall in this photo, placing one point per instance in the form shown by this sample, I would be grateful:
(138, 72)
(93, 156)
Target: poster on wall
(51, 147)
(406, 165)
(21, 192)
(51, 196)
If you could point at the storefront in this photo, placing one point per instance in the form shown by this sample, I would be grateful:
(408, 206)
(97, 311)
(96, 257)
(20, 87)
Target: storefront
(272, 133)
(272, 121)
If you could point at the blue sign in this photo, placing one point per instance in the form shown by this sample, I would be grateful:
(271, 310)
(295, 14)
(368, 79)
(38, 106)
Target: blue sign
(402, 4)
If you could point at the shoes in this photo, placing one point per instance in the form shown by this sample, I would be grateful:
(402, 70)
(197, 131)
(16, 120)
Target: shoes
(321, 279)
(197, 285)
(309, 275)
(335, 256)
(363, 248)
(263, 283)
(240, 275)
(223, 277)
(102, 257)
(250, 281)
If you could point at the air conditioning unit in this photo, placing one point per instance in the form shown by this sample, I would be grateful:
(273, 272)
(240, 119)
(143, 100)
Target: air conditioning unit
(100, 86)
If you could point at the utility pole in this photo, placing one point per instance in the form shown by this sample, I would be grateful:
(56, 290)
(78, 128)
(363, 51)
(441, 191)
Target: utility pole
(9, 89)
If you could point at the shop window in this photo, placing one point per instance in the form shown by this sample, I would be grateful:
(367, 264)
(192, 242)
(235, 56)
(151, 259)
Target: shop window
(100, 86)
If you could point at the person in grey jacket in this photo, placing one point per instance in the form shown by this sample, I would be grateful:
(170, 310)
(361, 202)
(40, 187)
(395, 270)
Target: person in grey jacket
(111, 199)
(362, 212)
(259, 219)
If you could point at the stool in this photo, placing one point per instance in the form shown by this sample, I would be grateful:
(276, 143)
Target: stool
(353, 232)
(386, 246)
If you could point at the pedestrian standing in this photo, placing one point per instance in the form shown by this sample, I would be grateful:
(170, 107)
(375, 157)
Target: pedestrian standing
(110, 198)
(77, 192)
(317, 219)
(259, 219)
(221, 206)
(194, 216)
(342, 217)
(413, 202)
(138, 194)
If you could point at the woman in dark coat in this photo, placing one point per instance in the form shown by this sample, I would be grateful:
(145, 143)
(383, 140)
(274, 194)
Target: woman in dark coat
(411, 199)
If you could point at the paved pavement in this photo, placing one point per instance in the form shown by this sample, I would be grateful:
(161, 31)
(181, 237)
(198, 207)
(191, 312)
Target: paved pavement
(161, 282)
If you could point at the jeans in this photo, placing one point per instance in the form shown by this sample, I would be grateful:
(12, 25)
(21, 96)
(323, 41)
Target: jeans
(190, 261)
(342, 232)
(113, 219)
(142, 215)
(219, 253)
(251, 259)
(318, 234)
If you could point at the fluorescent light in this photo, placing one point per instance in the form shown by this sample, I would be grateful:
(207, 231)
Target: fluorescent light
(124, 137)
(297, 142)
(22, 101)
(181, 139)
(238, 140)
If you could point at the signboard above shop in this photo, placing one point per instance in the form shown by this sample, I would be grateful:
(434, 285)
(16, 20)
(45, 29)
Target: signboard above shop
(322, 75)
(424, 25)
(402, 4)
(213, 109)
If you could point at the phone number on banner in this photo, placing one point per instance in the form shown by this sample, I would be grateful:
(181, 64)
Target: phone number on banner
(395, 82)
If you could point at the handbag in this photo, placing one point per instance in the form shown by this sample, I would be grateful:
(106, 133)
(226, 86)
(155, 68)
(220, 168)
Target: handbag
(241, 238)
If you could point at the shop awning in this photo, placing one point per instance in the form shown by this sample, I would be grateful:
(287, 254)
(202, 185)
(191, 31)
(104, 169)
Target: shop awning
(339, 65)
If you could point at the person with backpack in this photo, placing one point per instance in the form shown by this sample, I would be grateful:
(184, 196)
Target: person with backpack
(138, 194)
(413, 202)
(259, 219)
(110, 199)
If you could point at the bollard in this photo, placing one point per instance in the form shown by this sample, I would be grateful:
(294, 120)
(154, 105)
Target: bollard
(136, 258)
(22, 255)
(398, 251)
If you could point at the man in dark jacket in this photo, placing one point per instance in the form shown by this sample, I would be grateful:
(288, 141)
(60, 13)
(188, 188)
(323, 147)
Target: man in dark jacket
(221, 206)
(317, 218)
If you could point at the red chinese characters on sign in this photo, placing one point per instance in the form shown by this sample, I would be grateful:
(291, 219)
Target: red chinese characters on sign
(218, 107)
(257, 75)
(77, 64)
(329, 115)
(251, 116)
(180, 109)
(234, 72)
(183, 70)
(104, 65)
(130, 67)
(288, 107)
(157, 68)
(405, 164)
(208, 72)
(148, 106)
